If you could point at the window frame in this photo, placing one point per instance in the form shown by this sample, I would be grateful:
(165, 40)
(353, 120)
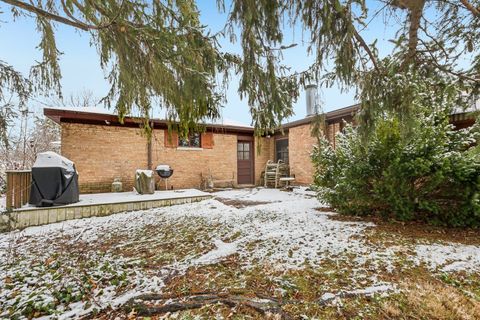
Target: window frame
(284, 152)
(243, 152)
(181, 141)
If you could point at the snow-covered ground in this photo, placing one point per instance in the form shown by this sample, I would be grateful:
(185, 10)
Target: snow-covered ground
(79, 266)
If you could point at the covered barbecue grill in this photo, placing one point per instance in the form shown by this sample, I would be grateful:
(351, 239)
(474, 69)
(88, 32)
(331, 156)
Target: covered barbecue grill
(54, 181)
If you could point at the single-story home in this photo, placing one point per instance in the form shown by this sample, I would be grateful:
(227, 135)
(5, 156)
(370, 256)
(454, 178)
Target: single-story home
(104, 149)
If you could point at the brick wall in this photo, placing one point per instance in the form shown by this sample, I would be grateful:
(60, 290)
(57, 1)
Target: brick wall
(264, 151)
(102, 153)
(189, 164)
(300, 145)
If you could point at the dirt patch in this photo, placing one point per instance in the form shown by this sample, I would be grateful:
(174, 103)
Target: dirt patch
(240, 203)
(413, 230)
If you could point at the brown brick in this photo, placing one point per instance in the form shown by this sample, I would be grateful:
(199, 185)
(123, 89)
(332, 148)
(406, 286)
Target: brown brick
(102, 153)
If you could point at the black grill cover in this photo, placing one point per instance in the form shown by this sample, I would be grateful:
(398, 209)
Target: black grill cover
(54, 181)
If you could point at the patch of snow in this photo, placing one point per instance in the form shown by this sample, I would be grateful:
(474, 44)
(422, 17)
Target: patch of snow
(51, 159)
(265, 195)
(449, 257)
(327, 296)
(88, 110)
(148, 173)
(223, 250)
(369, 291)
(228, 122)
(122, 197)
(164, 167)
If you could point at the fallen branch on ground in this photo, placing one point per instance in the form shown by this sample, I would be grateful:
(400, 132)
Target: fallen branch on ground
(155, 304)
(143, 305)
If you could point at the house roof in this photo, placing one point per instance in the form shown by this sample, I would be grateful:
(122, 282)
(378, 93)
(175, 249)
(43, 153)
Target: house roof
(341, 113)
(104, 117)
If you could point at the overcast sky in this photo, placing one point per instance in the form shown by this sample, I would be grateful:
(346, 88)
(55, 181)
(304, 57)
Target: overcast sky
(81, 70)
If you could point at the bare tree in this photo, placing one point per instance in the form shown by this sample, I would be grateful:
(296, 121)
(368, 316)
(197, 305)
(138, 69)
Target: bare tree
(82, 99)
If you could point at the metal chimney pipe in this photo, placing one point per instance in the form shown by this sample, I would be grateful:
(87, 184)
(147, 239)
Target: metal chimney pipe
(311, 98)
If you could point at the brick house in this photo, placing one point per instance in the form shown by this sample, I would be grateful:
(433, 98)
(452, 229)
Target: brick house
(103, 149)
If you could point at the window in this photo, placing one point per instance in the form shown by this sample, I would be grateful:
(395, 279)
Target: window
(193, 141)
(243, 151)
(281, 150)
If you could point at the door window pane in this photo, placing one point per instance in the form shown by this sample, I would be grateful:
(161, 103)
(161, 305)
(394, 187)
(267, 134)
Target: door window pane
(281, 150)
(243, 151)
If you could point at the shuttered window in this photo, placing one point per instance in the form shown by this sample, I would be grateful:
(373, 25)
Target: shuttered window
(192, 141)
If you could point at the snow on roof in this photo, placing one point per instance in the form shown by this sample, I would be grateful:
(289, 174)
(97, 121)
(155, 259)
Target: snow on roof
(87, 110)
(474, 107)
(228, 122)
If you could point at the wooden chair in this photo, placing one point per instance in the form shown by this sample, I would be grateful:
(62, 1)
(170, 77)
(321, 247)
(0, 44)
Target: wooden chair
(273, 172)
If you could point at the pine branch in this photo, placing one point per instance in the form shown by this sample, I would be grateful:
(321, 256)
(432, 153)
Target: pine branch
(49, 15)
(93, 27)
(365, 46)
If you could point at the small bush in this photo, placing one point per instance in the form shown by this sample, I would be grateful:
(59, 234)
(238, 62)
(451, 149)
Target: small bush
(429, 172)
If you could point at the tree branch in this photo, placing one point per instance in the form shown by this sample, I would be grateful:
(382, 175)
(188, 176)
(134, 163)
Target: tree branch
(445, 69)
(48, 15)
(469, 6)
(365, 46)
(262, 306)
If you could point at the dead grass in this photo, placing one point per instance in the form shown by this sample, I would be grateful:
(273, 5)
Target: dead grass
(431, 300)
(420, 294)
(384, 231)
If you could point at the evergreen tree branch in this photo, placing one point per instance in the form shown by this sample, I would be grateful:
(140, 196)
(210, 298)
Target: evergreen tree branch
(93, 27)
(365, 46)
(49, 15)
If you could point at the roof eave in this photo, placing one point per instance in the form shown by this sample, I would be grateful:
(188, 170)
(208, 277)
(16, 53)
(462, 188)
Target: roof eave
(59, 116)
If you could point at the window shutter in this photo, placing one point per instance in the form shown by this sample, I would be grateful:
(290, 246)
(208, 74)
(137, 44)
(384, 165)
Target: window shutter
(171, 139)
(207, 140)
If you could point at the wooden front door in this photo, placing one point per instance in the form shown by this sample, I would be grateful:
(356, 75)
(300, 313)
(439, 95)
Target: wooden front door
(244, 162)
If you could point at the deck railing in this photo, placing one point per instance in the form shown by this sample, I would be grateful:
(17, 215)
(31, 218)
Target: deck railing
(18, 188)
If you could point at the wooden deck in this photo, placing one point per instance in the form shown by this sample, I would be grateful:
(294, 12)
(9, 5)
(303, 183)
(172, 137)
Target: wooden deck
(96, 205)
